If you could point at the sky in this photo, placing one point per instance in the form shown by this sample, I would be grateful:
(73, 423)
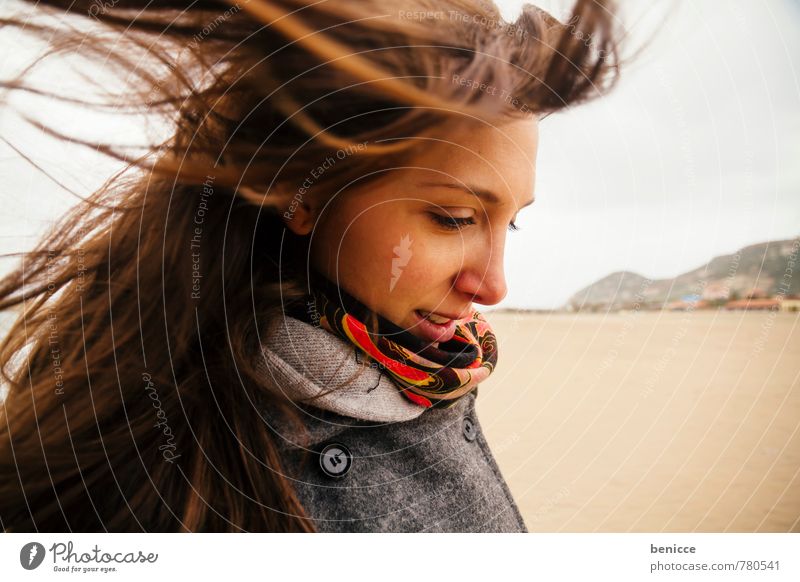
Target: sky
(693, 155)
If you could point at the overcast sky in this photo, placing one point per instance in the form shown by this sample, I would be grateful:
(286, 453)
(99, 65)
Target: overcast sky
(695, 154)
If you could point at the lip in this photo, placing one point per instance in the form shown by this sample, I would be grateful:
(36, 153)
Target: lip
(456, 316)
(435, 332)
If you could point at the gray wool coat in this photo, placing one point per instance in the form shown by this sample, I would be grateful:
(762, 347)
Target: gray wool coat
(376, 461)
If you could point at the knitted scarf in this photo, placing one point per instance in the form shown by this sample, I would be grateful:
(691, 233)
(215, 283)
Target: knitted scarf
(428, 375)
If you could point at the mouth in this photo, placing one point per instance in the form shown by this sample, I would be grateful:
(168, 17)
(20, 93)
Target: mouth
(434, 327)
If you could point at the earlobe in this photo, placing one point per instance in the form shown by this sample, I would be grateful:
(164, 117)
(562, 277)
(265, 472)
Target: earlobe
(298, 217)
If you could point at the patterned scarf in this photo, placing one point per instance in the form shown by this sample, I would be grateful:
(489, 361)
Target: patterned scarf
(427, 375)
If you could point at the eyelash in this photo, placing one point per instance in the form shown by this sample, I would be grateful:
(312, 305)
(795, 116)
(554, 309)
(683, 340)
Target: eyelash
(457, 223)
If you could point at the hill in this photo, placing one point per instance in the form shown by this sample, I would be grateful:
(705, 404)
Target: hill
(764, 269)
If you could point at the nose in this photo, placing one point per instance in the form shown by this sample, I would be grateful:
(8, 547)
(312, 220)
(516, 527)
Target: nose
(482, 277)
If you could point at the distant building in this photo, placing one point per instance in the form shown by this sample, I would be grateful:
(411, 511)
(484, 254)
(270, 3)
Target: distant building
(790, 304)
(752, 304)
(717, 291)
(756, 294)
(687, 303)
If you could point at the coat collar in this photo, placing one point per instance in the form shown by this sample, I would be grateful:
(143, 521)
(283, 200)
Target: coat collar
(300, 361)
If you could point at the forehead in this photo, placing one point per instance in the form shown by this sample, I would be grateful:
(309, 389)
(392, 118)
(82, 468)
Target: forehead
(499, 159)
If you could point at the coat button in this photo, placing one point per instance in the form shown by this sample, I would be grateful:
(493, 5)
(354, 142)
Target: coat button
(335, 460)
(469, 428)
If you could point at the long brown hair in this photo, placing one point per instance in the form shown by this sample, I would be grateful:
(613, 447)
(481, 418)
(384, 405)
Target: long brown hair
(132, 399)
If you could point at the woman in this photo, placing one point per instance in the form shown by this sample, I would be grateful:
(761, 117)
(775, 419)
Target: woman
(267, 322)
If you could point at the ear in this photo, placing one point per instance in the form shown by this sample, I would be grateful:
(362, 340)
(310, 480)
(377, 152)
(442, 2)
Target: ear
(297, 213)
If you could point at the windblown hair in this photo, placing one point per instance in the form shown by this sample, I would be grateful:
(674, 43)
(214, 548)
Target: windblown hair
(132, 395)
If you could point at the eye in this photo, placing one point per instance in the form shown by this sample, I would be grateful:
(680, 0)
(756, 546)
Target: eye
(450, 222)
(513, 227)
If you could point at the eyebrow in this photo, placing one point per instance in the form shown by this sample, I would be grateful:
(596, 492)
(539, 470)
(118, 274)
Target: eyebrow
(481, 193)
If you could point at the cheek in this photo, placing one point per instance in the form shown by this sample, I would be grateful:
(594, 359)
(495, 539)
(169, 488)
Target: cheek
(426, 264)
(373, 247)
(393, 257)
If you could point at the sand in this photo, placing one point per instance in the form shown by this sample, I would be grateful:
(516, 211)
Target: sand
(648, 421)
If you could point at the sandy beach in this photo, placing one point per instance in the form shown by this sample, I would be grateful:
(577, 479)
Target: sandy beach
(648, 421)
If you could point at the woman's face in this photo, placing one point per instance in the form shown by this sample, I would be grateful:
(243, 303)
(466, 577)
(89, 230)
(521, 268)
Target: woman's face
(430, 237)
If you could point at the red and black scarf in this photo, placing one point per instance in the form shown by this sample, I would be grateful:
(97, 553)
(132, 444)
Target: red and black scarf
(428, 375)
